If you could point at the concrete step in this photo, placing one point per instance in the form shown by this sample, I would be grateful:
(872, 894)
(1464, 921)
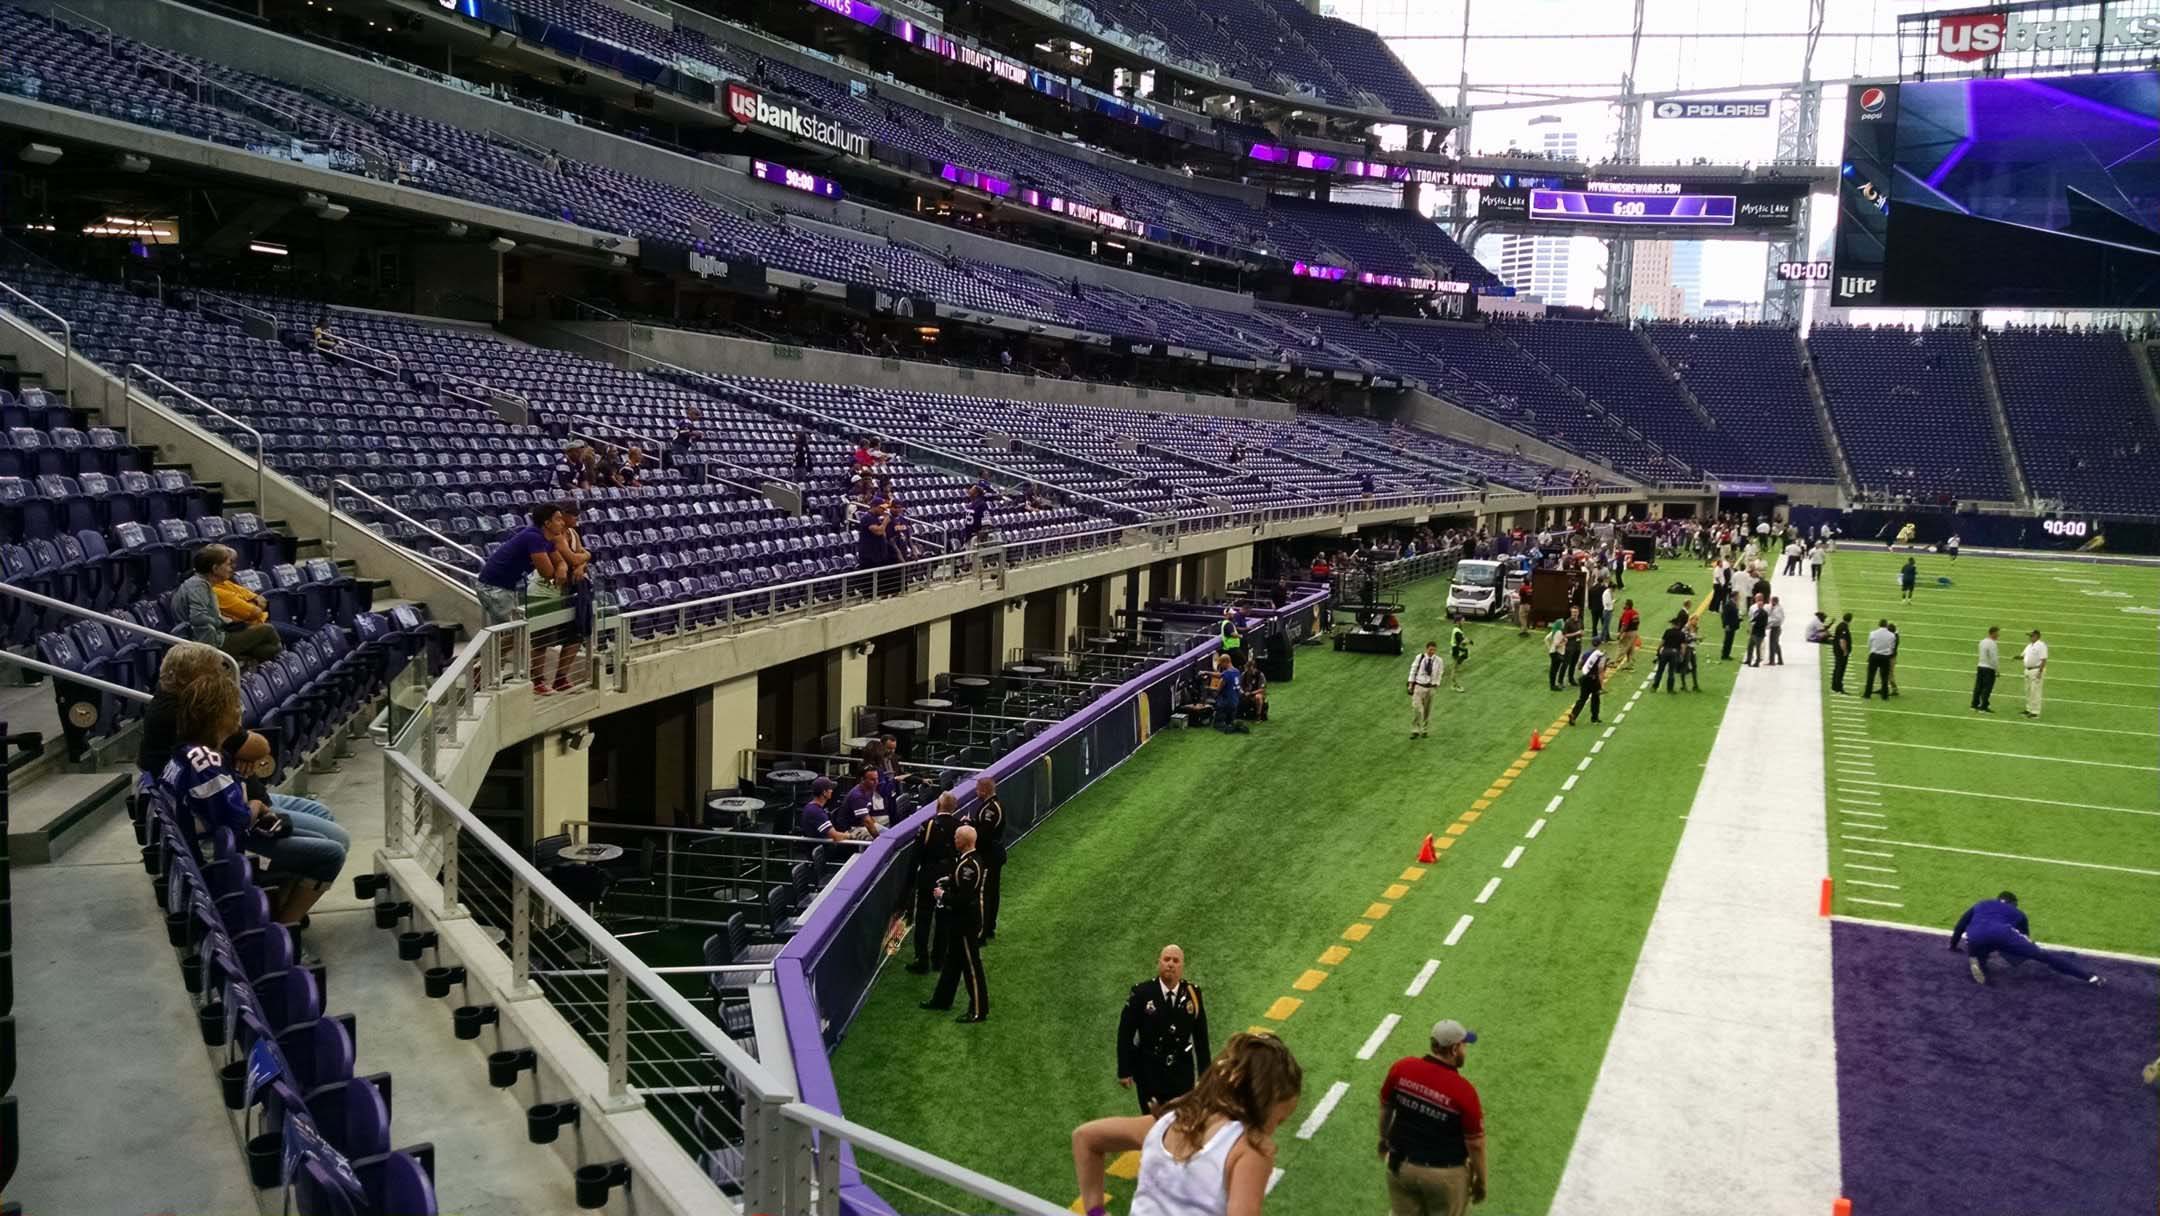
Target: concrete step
(53, 812)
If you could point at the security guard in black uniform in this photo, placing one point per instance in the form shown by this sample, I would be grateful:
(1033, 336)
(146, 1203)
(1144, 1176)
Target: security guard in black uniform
(1162, 1039)
(961, 895)
(933, 861)
(990, 843)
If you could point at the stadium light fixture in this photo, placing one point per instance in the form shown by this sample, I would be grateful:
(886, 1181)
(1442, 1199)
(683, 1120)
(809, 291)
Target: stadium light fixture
(40, 154)
(270, 248)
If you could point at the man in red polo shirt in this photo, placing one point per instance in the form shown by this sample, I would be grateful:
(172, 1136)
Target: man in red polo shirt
(1432, 1130)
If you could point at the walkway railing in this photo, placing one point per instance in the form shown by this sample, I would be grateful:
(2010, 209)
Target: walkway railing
(138, 371)
(67, 341)
(740, 1127)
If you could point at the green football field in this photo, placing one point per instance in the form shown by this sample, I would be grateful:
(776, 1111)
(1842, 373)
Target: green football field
(1934, 805)
(1284, 862)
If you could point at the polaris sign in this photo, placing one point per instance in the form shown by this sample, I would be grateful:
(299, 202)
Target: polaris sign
(749, 107)
(1972, 37)
(1711, 109)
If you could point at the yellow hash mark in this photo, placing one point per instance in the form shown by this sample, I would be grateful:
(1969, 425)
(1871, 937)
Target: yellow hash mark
(1334, 955)
(1376, 911)
(1493, 793)
(1283, 1007)
(1309, 981)
(1526, 757)
(1356, 932)
(1469, 816)
(1456, 829)
(1480, 804)
(1413, 873)
(1395, 890)
(1514, 770)
(1445, 842)
(1258, 1030)
(1125, 1165)
(1501, 783)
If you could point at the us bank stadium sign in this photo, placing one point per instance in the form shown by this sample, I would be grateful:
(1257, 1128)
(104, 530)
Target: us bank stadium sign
(751, 108)
(2088, 36)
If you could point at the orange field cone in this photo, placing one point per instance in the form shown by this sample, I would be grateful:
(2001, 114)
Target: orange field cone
(1537, 742)
(1841, 1207)
(1822, 908)
(1426, 854)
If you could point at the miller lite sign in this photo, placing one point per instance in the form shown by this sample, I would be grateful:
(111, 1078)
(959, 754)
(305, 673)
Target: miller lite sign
(1972, 37)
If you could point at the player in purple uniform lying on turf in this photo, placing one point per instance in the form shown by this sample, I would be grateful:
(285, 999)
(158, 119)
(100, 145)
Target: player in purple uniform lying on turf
(1998, 925)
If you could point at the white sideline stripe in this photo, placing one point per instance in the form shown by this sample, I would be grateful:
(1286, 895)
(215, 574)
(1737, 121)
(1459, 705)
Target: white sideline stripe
(2082, 663)
(1323, 1110)
(1424, 976)
(1461, 927)
(2051, 861)
(1597, 747)
(1486, 894)
(1932, 931)
(1861, 882)
(1967, 671)
(1378, 1036)
(1274, 1176)
(1608, 732)
(1514, 855)
(2052, 698)
(1880, 903)
(1585, 764)
(1975, 751)
(1868, 853)
(1569, 783)
(1855, 865)
(1554, 805)
(2083, 806)
(1867, 815)
(2000, 721)
(1858, 800)
(1536, 826)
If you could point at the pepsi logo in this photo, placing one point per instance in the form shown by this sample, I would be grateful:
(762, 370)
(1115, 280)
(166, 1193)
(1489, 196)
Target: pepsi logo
(1871, 101)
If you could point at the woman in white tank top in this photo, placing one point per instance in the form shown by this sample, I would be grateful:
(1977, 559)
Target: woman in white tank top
(1210, 1152)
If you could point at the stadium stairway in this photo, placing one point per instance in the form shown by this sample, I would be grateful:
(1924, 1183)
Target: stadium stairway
(1991, 391)
(1823, 421)
(1679, 382)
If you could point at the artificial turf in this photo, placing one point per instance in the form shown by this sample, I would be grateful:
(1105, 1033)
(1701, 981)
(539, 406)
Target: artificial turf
(2064, 810)
(1257, 853)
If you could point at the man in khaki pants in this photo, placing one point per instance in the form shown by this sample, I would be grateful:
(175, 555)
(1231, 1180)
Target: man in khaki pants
(2035, 658)
(1432, 1130)
(1425, 672)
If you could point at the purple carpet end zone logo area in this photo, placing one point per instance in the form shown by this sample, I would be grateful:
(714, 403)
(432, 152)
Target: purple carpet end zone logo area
(1588, 207)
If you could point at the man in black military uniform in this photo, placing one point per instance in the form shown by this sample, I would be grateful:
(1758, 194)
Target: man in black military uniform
(989, 821)
(961, 895)
(933, 861)
(1162, 1043)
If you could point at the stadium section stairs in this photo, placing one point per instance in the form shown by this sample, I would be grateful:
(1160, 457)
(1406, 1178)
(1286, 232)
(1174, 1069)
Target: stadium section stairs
(1679, 382)
(2145, 353)
(1846, 481)
(1992, 393)
(1589, 402)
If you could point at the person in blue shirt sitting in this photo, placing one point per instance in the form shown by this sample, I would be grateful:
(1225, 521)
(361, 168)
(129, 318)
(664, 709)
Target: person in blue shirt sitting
(1999, 925)
(305, 851)
(1227, 696)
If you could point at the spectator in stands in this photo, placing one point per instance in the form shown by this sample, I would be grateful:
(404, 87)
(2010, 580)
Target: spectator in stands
(867, 802)
(630, 466)
(802, 453)
(978, 502)
(1246, 1093)
(684, 440)
(525, 552)
(303, 850)
(575, 470)
(863, 458)
(242, 630)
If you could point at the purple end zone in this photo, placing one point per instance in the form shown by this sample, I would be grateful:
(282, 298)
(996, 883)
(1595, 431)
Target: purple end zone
(2015, 1099)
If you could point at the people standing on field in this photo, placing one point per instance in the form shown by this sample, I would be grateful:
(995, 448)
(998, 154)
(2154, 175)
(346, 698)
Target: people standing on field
(1984, 675)
(2035, 659)
(1907, 577)
(1815, 556)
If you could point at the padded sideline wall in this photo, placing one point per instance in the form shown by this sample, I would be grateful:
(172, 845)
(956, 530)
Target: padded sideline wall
(250, 48)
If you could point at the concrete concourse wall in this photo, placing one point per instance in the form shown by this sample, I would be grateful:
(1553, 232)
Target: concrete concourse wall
(746, 357)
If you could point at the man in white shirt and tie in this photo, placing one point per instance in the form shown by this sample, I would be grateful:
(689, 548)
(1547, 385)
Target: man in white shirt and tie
(1425, 672)
(2035, 657)
(1984, 676)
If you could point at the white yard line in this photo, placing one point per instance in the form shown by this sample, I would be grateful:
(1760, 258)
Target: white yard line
(1881, 886)
(1424, 977)
(1486, 894)
(1274, 1176)
(1880, 903)
(1854, 865)
(1732, 983)
(1378, 1036)
(1585, 763)
(1321, 1111)
(1570, 782)
(1597, 747)
(1934, 931)
(1554, 805)
(1865, 853)
(1999, 720)
(1536, 826)
(1979, 751)
(2147, 706)
(1514, 855)
(1462, 926)
(1608, 732)
(2046, 861)
(1937, 789)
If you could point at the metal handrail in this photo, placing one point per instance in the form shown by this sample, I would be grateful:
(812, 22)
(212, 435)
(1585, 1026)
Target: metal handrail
(67, 342)
(73, 677)
(245, 310)
(57, 9)
(110, 622)
(330, 520)
(393, 364)
(709, 479)
(523, 401)
(147, 374)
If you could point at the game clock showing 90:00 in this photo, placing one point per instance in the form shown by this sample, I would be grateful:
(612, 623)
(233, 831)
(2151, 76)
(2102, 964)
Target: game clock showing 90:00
(2063, 533)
